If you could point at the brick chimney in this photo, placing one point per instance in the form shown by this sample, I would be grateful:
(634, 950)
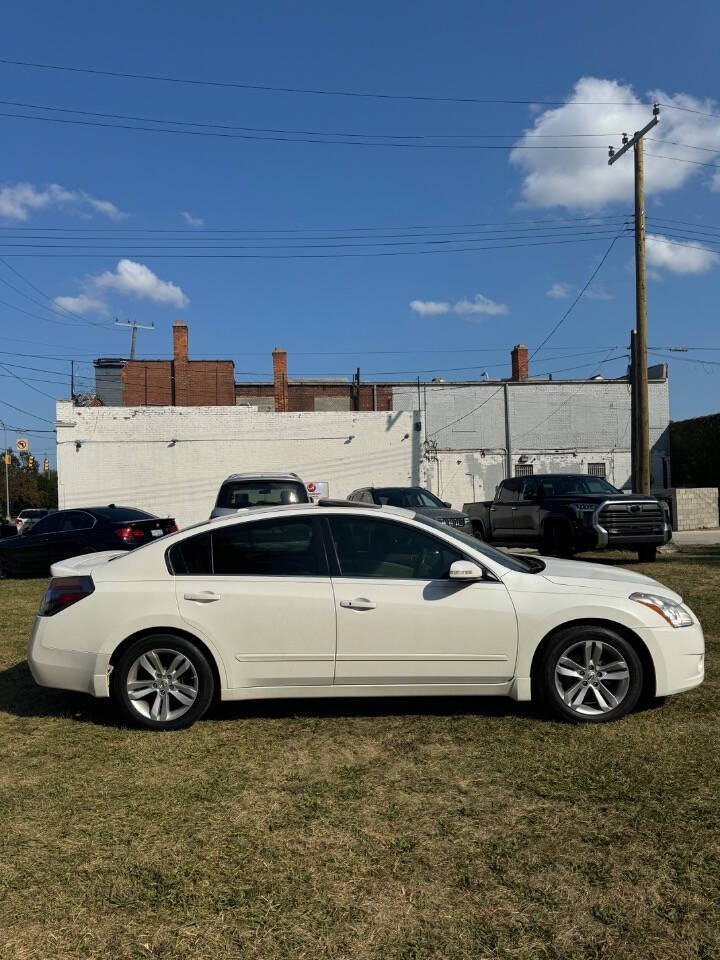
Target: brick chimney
(519, 358)
(279, 357)
(180, 365)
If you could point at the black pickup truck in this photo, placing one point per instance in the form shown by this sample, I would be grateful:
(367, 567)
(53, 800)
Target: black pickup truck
(564, 513)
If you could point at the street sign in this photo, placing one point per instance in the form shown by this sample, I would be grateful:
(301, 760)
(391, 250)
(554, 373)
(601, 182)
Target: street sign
(22, 445)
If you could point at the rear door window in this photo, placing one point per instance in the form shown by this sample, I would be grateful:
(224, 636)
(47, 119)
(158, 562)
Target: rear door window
(509, 491)
(49, 524)
(76, 520)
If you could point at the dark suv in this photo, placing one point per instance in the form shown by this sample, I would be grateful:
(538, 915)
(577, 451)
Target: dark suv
(417, 499)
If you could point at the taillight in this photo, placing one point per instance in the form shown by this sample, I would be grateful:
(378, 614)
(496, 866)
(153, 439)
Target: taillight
(129, 533)
(173, 528)
(63, 592)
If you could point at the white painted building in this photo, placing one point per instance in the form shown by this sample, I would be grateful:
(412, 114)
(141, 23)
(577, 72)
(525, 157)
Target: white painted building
(171, 460)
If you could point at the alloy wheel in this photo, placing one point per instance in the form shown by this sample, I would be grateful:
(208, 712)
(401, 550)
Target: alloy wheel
(162, 684)
(592, 677)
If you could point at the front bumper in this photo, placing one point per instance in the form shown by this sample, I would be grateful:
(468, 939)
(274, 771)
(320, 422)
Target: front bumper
(606, 539)
(678, 657)
(66, 669)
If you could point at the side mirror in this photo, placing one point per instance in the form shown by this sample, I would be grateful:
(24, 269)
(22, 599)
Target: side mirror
(466, 570)
(446, 504)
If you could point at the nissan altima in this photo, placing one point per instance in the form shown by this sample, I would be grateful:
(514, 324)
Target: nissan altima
(337, 599)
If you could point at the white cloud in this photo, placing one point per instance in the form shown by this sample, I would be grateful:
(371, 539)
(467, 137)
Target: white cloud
(558, 291)
(678, 257)
(138, 280)
(81, 304)
(19, 200)
(430, 308)
(580, 179)
(193, 221)
(599, 293)
(478, 306)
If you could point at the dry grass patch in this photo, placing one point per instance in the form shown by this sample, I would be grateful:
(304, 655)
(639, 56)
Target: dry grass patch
(371, 830)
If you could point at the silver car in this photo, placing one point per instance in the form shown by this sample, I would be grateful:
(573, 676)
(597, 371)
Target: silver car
(242, 490)
(417, 499)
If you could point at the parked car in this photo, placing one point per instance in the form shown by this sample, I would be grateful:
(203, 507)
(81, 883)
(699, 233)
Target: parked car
(566, 512)
(418, 499)
(344, 599)
(243, 490)
(27, 519)
(67, 533)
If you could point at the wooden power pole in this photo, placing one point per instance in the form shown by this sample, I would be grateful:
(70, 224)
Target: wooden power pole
(135, 326)
(640, 412)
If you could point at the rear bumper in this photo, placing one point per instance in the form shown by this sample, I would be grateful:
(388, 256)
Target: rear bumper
(66, 669)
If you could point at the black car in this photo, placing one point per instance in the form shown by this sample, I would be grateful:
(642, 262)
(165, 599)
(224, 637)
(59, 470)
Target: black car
(68, 533)
(566, 512)
(417, 499)
(7, 529)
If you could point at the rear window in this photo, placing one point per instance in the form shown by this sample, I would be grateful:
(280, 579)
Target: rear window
(119, 514)
(260, 493)
(31, 514)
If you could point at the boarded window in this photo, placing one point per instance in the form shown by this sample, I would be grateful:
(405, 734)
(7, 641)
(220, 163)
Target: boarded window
(523, 469)
(596, 469)
(329, 403)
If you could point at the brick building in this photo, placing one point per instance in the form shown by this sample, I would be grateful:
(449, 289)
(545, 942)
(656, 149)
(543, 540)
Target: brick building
(179, 382)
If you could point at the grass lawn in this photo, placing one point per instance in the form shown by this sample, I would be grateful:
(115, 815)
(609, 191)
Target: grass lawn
(394, 830)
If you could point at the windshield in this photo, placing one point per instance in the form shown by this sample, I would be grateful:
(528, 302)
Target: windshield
(564, 485)
(408, 497)
(511, 562)
(260, 493)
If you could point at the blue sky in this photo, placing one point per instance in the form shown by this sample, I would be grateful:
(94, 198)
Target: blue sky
(92, 179)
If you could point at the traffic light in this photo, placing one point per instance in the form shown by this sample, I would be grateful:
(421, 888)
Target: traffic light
(46, 465)
(7, 458)
(31, 462)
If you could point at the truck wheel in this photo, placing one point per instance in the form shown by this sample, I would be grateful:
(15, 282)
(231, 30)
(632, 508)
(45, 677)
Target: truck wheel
(647, 554)
(558, 542)
(478, 530)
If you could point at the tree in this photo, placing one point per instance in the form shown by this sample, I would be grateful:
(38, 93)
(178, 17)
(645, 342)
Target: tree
(28, 486)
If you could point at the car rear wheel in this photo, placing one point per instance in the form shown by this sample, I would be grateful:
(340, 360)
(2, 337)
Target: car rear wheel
(163, 682)
(590, 674)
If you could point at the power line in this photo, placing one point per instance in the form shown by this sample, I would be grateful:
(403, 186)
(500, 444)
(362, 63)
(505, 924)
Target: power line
(75, 316)
(35, 416)
(308, 133)
(697, 163)
(78, 319)
(266, 88)
(298, 256)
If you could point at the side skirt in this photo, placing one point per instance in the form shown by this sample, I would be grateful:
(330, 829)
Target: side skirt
(374, 690)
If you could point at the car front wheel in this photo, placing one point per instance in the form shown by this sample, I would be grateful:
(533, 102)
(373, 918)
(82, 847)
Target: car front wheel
(162, 682)
(590, 674)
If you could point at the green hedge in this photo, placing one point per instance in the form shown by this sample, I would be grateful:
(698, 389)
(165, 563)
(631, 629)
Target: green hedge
(695, 451)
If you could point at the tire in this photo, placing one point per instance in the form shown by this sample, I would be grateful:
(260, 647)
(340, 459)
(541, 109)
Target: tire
(572, 687)
(558, 542)
(647, 554)
(166, 702)
(478, 529)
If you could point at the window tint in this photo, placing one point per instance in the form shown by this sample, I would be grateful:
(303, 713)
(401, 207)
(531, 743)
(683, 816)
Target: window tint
(509, 491)
(258, 493)
(192, 556)
(48, 524)
(564, 485)
(381, 548)
(528, 490)
(76, 520)
(118, 514)
(270, 548)
(408, 497)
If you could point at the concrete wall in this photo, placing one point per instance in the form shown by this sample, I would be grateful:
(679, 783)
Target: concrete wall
(171, 460)
(693, 508)
(557, 426)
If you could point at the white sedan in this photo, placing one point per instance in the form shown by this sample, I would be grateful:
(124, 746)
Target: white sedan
(340, 599)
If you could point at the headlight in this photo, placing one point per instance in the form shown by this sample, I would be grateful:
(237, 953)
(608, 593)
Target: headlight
(675, 614)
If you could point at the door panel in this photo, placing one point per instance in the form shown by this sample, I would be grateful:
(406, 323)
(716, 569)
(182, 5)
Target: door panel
(270, 631)
(262, 592)
(527, 512)
(432, 631)
(400, 620)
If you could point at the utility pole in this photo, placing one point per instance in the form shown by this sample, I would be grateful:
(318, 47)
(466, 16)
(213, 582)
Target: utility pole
(633, 410)
(6, 458)
(641, 412)
(134, 326)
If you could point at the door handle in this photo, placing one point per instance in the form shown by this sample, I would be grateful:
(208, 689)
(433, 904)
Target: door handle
(493, 508)
(513, 508)
(206, 597)
(360, 603)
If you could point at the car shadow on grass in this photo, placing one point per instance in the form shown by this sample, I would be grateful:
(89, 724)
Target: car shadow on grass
(20, 696)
